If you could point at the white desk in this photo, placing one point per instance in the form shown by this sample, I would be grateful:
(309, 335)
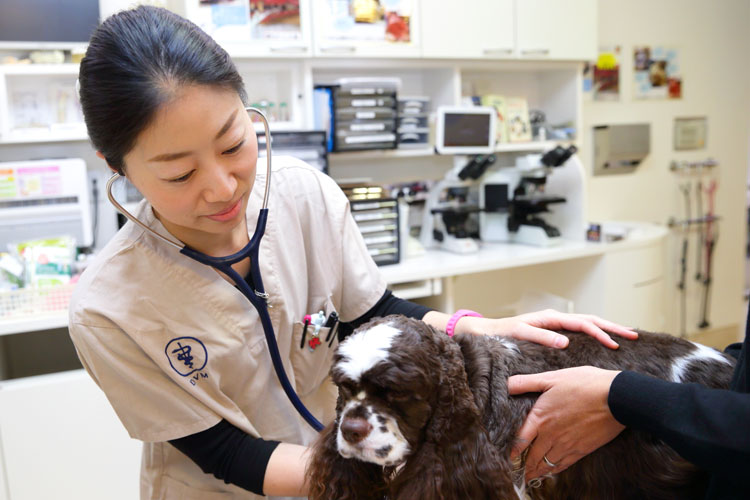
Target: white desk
(430, 273)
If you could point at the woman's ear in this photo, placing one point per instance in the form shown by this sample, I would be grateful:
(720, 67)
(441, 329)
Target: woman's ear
(113, 169)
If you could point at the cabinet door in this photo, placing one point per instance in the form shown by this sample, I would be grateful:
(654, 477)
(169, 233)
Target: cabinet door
(256, 28)
(60, 438)
(555, 29)
(366, 28)
(468, 29)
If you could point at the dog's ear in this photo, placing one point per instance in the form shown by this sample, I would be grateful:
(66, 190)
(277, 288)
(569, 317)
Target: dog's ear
(471, 468)
(331, 476)
(455, 458)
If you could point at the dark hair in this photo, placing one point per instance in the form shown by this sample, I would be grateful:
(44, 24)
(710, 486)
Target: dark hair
(135, 62)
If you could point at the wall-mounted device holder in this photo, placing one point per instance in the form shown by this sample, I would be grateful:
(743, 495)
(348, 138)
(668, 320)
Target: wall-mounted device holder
(619, 149)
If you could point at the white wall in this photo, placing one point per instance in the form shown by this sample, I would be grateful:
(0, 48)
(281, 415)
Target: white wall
(714, 42)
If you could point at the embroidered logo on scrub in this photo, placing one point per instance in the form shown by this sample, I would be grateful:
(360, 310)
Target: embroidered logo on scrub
(187, 355)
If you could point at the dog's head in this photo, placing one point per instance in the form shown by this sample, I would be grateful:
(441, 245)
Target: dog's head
(388, 373)
(407, 425)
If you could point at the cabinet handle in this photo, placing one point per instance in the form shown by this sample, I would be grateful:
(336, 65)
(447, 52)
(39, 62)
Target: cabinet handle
(294, 49)
(497, 52)
(535, 52)
(343, 49)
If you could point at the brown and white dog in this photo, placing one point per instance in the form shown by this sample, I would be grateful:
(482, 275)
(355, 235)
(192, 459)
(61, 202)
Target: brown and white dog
(424, 416)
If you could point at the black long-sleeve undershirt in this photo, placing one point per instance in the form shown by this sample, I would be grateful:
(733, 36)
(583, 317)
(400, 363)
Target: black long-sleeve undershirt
(234, 456)
(708, 427)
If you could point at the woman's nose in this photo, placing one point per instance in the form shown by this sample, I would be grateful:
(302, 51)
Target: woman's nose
(220, 185)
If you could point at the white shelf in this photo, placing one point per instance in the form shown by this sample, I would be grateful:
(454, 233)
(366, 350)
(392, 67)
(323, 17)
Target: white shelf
(381, 153)
(44, 137)
(377, 154)
(39, 69)
(40, 322)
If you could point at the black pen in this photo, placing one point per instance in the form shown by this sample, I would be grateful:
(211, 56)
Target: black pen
(333, 318)
(304, 331)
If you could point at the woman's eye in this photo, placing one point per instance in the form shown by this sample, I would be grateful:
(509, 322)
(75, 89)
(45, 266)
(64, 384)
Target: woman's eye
(234, 149)
(182, 178)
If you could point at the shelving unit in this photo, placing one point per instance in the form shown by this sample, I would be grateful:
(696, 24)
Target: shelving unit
(48, 102)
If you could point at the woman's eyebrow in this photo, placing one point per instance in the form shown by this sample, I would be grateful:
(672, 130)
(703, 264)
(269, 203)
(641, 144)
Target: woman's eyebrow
(177, 156)
(226, 126)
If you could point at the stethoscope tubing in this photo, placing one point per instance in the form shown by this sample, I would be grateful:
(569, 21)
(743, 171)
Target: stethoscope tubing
(258, 297)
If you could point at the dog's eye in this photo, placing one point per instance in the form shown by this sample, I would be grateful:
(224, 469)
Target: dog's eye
(347, 387)
(398, 396)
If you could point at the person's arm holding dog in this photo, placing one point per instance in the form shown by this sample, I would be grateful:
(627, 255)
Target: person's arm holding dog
(583, 408)
(536, 327)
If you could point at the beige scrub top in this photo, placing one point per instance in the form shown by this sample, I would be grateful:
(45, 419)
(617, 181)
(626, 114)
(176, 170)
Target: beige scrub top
(141, 304)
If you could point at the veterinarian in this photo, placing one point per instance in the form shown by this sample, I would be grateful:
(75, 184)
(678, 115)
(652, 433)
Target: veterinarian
(177, 348)
(581, 409)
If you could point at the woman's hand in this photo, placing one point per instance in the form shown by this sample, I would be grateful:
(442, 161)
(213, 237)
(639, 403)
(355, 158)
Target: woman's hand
(570, 419)
(537, 326)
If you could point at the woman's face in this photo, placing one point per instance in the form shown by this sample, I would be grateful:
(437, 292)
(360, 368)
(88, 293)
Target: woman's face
(195, 164)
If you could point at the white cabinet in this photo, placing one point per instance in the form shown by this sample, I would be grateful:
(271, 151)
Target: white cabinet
(509, 29)
(255, 28)
(556, 29)
(60, 438)
(366, 28)
(39, 102)
(468, 29)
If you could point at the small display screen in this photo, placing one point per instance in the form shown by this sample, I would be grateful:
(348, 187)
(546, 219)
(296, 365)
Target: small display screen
(467, 129)
(48, 20)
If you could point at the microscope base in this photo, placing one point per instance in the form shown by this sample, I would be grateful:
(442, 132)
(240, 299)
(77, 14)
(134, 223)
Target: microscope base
(534, 235)
(459, 245)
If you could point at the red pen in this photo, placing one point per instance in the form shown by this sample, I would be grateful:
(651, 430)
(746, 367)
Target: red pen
(306, 320)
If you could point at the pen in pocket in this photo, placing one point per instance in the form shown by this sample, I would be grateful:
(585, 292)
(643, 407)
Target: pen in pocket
(304, 331)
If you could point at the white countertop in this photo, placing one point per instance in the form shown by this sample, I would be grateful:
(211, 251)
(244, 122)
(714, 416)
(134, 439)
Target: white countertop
(496, 256)
(441, 264)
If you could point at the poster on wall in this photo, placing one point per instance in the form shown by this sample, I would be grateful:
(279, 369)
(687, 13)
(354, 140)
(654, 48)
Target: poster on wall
(657, 73)
(601, 78)
(370, 20)
(242, 21)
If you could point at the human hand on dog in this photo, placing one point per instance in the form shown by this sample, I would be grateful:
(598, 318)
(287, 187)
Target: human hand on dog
(570, 419)
(537, 326)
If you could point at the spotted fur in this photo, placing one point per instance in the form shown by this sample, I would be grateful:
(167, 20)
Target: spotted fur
(436, 421)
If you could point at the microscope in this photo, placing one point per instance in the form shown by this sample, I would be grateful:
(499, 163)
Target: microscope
(527, 204)
(449, 220)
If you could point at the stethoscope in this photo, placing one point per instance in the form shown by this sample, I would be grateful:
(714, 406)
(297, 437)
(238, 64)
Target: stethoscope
(258, 297)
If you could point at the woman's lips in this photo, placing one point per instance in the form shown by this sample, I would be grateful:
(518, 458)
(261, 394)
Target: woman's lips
(228, 214)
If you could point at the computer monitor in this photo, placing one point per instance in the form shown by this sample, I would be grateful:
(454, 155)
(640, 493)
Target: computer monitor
(465, 130)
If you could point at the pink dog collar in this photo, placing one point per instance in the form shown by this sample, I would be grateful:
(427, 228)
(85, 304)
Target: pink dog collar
(450, 328)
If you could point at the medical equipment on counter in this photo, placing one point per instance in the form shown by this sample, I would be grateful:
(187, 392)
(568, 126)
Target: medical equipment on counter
(44, 198)
(512, 198)
(449, 216)
(258, 297)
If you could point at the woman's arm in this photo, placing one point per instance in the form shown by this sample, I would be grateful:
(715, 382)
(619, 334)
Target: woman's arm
(536, 327)
(285, 474)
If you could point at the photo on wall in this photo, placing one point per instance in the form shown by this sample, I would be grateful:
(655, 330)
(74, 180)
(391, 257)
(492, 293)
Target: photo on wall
(657, 73)
(601, 78)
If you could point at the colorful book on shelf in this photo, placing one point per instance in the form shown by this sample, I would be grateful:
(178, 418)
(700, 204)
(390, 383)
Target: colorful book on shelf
(517, 119)
(499, 103)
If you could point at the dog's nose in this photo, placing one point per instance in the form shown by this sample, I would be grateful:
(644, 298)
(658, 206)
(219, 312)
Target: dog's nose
(355, 430)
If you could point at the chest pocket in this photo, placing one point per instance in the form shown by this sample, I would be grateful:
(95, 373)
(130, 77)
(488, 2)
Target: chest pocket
(311, 365)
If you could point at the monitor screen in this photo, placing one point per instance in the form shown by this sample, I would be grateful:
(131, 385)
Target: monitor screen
(48, 20)
(463, 129)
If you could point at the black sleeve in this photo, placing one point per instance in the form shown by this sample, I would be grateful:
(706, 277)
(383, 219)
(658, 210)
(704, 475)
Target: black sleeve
(708, 427)
(230, 454)
(387, 304)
